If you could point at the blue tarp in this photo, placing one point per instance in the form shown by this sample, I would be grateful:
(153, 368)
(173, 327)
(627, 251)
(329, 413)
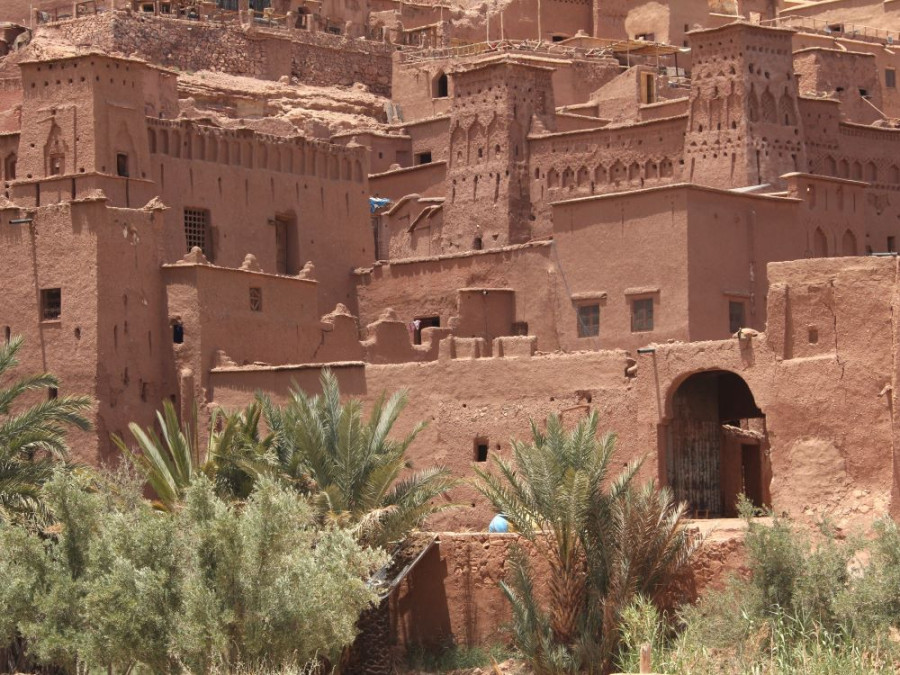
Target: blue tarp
(376, 203)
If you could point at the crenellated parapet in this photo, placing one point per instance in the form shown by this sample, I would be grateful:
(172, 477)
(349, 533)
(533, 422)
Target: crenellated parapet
(185, 139)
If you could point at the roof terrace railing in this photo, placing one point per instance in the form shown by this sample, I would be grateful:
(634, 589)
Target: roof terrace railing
(834, 29)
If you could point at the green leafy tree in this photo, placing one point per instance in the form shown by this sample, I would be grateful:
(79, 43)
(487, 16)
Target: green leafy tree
(32, 437)
(357, 474)
(605, 541)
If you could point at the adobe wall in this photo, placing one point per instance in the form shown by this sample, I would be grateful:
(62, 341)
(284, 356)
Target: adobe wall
(453, 596)
(246, 181)
(843, 75)
(313, 58)
(427, 180)
(221, 325)
(109, 341)
(581, 163)
(385, 150)
(884, 59)
(134, 364)
(428, 287)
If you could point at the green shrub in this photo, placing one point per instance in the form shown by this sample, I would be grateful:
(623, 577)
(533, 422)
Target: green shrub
(205, 587)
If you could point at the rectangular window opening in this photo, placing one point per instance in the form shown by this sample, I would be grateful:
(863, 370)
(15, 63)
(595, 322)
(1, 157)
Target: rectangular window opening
(735, 316)
(122, 165)
(520, 328)
(891, 245)
(890, 78)
(481, 449)
(589, 320)
(196, 231)
(51, 304)
(423, 158)
(52, 393)
(421, 323)
(641, 315)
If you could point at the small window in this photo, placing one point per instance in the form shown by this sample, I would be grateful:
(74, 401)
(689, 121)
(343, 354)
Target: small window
(645, 37)
(891, 245)
(423, 158)
(51, 304)
(642, 315)
(178, 332)
(196, 231)
(52, 393)
(57, 165)
(589, 321)
(481, 449)
(890, 78)
(735, 316)
(122, 165)
(421, 323)
(441, 86)
(558, 38)
(863, 92)
(255, 299)
(478, 243)
(7, 334)
(520, 328)
(835, 28)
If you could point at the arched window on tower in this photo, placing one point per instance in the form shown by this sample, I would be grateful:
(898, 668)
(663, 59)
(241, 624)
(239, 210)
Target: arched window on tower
(440, 86)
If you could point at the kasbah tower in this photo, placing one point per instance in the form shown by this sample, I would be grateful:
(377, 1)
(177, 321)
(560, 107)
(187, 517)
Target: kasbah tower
(682, 216)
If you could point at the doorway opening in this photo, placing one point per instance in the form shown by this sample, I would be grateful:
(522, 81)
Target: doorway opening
(715, 446)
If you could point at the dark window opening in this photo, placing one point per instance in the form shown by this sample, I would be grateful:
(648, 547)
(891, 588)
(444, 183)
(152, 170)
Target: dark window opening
(735, 316)
(520, 328)
(421, 323)
(589, 321)
(334, 30)
(7, 334)
(478, 243)
(255, 299)
(813, 335)
(645, 37)
(441, 86)
(890, 78)
(481, 449)
(51, 304)
(834, 28)
(122, 165)
(642, 315)
(891, 247)
(52, 393)
(178, 332)
(558, 38)
(864, 92)
(423, 158)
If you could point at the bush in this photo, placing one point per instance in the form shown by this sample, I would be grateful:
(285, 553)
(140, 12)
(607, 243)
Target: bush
(206, 587)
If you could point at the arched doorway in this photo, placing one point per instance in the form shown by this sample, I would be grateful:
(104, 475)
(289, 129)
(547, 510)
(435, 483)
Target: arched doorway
(715, 445)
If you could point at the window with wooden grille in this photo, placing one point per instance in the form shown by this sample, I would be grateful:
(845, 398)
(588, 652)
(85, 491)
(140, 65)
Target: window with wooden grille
(196, 230)
(51, 304)
(641, 315)
(589, 320)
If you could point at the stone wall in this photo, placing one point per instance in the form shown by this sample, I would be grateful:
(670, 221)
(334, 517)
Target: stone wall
(314, 58)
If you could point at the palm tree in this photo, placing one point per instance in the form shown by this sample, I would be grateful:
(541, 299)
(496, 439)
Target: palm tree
(354, 472)
(605, 541)
(32, 438)
(233, 458)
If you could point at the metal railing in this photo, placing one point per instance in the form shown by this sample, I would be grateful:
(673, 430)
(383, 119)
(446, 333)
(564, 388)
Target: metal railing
(835, 29)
